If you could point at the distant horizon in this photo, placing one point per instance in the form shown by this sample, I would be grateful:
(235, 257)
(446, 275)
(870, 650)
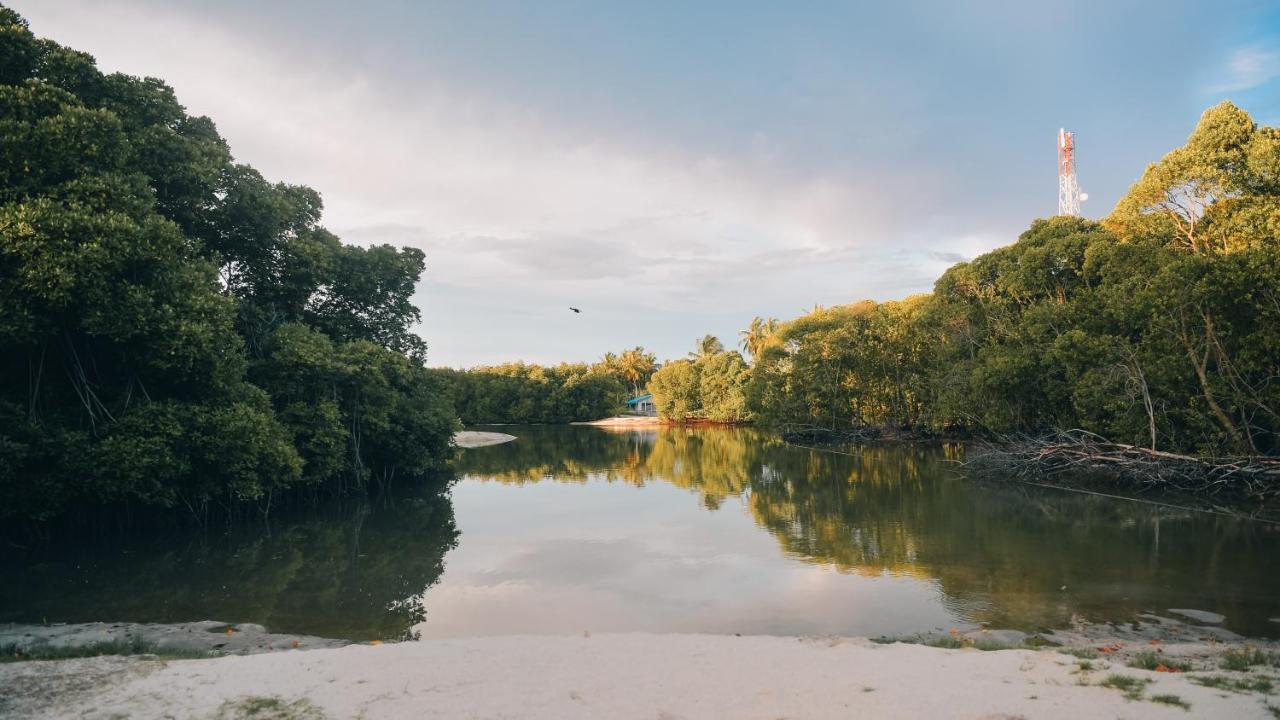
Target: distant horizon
(676, 170)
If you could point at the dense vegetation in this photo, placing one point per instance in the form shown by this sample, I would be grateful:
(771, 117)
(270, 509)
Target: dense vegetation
(708, 386)
(175, 330)
(568, 392)
(1159, 326)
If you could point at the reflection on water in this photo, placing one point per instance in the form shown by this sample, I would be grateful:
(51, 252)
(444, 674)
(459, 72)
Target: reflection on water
(350, 571)
(573, 529)
(893, 542)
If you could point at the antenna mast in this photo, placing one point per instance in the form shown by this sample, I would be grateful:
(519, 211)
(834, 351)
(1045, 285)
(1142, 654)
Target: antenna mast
(1068, 186)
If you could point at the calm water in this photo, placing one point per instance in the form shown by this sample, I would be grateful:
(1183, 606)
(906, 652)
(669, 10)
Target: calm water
(573, 529)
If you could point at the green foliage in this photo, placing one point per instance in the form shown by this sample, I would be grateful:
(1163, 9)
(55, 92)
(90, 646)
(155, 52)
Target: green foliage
(1132, 687)
(1151, 660)
(1258, 684)
(1174, 700)
(1159, 327)
(675, 389)
(722, 382)
(251, 707)
(1242, 659)
(710, 386)
(520, 393)
(176, 330)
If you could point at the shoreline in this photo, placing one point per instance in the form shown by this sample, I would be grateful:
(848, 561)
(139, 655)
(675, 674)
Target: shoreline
(631, 675)
(479, 438)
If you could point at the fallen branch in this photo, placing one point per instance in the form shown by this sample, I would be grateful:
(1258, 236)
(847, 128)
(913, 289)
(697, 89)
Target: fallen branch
(1081, 452)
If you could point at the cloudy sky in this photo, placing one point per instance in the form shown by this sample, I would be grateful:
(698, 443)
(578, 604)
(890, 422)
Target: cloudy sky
(675, 168)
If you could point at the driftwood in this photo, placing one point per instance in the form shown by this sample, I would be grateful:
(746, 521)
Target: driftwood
(1084, 454)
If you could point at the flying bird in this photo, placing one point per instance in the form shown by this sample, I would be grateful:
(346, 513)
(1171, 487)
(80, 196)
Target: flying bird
(575, 309)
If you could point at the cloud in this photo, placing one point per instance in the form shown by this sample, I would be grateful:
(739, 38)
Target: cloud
(950, 258)
(511, 204)
(1248, 67)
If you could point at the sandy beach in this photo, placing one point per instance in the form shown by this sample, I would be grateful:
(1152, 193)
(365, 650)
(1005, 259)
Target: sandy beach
(478, 438)
(625, 421)
(617, 676)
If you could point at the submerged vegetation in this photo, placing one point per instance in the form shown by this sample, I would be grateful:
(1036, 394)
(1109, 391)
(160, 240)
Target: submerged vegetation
(177, 331)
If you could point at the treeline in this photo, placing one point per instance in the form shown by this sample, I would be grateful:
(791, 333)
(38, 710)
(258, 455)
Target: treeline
(710, 385)
(176, 331)
(1158, 327)
(569, 392)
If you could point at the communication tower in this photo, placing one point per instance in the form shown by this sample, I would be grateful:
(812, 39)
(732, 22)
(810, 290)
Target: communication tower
(1069, 195)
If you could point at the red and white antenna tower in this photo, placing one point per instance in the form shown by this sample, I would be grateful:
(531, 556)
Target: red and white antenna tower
(1069, 195)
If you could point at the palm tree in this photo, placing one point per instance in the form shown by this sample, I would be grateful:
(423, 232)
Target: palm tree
(706, 347)
(635, 365)
(755, 337)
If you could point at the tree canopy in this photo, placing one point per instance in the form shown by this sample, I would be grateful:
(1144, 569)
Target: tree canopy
(176, 330)
(1159, 326)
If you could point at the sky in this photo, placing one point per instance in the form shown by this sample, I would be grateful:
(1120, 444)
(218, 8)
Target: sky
(676, 168)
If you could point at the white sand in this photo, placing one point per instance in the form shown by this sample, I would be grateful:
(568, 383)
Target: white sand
(621, 676)
(477, 438)
(627, 421)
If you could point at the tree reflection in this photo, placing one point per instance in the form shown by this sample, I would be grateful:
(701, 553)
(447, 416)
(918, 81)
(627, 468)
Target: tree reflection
(354, 571)
(1010, 555)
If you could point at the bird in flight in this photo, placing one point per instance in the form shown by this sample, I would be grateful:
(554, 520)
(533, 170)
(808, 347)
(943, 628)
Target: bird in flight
(575, 309)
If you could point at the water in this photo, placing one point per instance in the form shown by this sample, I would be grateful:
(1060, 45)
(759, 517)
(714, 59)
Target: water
(573, 529)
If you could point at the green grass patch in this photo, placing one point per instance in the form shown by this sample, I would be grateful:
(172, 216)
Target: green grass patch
(1171, 700)
(1244, 658)
(985, 644)
(1084, 653)
(953, 642)
(1151, 660)
(13, 652)
(1132, 687)
(255, 707)
(1240, 685)
(1039, 641)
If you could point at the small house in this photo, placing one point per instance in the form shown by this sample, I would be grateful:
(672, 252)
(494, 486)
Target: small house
(642, 405)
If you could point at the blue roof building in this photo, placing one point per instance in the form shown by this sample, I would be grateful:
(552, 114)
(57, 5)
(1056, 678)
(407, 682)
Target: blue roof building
(642, 405)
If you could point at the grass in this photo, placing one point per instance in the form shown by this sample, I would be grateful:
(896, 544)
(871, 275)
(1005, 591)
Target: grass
(1084, 666)
(1084, 653)
(1240, 685)
(1132, 687)
(13, 652)
(1243, 659)
(1039, 641)
(952, 642)
(1274, 710)
(948, 642)
(1151, 660)
(1171, 700)
(253, 707)
(988, 645)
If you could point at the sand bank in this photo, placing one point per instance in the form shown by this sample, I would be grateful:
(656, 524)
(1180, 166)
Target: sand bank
(627, 421)
(615, 676)
(477, 438)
